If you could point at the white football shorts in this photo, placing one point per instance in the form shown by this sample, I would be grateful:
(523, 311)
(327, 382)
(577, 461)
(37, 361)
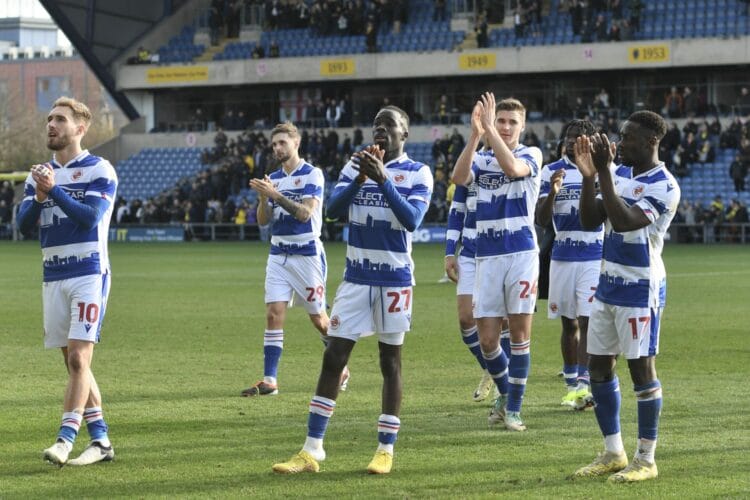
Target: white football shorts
(506, 284)
(630, 331)
(571, 288)
(298, 277)
(361, 310)
(467, 268)
(74, 309)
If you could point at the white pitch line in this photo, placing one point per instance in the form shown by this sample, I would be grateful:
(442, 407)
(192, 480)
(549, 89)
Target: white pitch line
(712, 273)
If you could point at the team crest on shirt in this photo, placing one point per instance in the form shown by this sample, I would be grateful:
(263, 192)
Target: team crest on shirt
(77, 175)
(637, 191)
(553, 307)
(335, 322)
(297, 182)
(398, 178)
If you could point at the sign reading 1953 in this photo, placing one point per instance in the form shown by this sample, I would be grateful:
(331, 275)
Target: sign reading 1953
(476, 61)
(337, 67)
(648, 54)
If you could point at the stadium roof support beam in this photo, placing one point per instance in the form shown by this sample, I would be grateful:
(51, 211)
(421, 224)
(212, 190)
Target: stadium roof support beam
(83, 42)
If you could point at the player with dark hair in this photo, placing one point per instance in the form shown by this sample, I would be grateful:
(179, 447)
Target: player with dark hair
(637, 204)
(575, 262)
(72, 197)
(386, 195)
(507, 254)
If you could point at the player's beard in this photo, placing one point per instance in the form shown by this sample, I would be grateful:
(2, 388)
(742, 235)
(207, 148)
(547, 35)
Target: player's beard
(282, 157)
(57, 143)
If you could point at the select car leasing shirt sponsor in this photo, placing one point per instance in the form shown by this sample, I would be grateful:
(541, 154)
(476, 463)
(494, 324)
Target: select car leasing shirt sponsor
(68, 250)
(573, 243)
(289, 235)
(378, 251)
(505, 205)
(462, 221)
(633, 273)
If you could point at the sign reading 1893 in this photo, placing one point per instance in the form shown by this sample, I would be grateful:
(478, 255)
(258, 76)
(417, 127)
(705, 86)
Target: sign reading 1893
(337, 67)
(648, 54)
(476, 61)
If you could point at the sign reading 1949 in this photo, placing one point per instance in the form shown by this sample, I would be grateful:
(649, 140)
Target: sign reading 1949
(337, 67)
(648, 54)
(477, 61)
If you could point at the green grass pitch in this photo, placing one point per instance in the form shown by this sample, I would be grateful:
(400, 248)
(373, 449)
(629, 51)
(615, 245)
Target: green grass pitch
(183, 336)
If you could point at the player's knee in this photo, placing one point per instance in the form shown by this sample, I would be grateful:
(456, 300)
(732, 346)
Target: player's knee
(390, 366)
(334, 359)
(488, 345)
(77, 362)
(273, 318)
(466, 321)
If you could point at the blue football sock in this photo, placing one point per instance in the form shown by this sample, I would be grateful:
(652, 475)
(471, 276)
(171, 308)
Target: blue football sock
(321, 410)
(273, 345)
(607, 400)
(649, 408)
(497, 366)
(570, 373)
(518, 372)
(471, 339)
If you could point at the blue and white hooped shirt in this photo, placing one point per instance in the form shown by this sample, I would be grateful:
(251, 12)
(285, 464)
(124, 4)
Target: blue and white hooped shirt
(69, 250)
(633, 273)
(378, 251)
(505, 205)
(288, 234)
(572, 243)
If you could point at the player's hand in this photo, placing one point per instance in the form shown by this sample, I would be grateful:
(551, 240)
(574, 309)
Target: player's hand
(264, 187)
(44, 177)
(451, 268)
(371, 164)
(476, 120)
(602, 151)
(584, 162)
(487, 101)
(555, 182)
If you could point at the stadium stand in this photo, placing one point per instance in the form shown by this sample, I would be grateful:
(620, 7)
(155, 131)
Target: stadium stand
(668, 19)
(181, 48)
(153, 170)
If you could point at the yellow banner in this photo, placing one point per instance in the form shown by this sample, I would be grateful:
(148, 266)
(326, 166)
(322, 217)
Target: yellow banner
(641, 54)
(177, 74)
(472, 62)
(337, 67)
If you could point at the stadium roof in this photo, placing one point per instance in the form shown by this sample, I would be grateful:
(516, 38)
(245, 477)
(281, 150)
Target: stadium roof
(101, 30)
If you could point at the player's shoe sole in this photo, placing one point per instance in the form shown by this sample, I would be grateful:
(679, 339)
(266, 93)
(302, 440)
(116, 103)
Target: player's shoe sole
(605, 463)
(381, 463)
(94, 453)
(301, 462)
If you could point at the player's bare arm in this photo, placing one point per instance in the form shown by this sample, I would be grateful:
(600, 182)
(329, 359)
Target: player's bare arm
(592, 211)
(302, 211)
(462, 170)
(493, 123)
(451, 268)
(622, 217)
(544, 205)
